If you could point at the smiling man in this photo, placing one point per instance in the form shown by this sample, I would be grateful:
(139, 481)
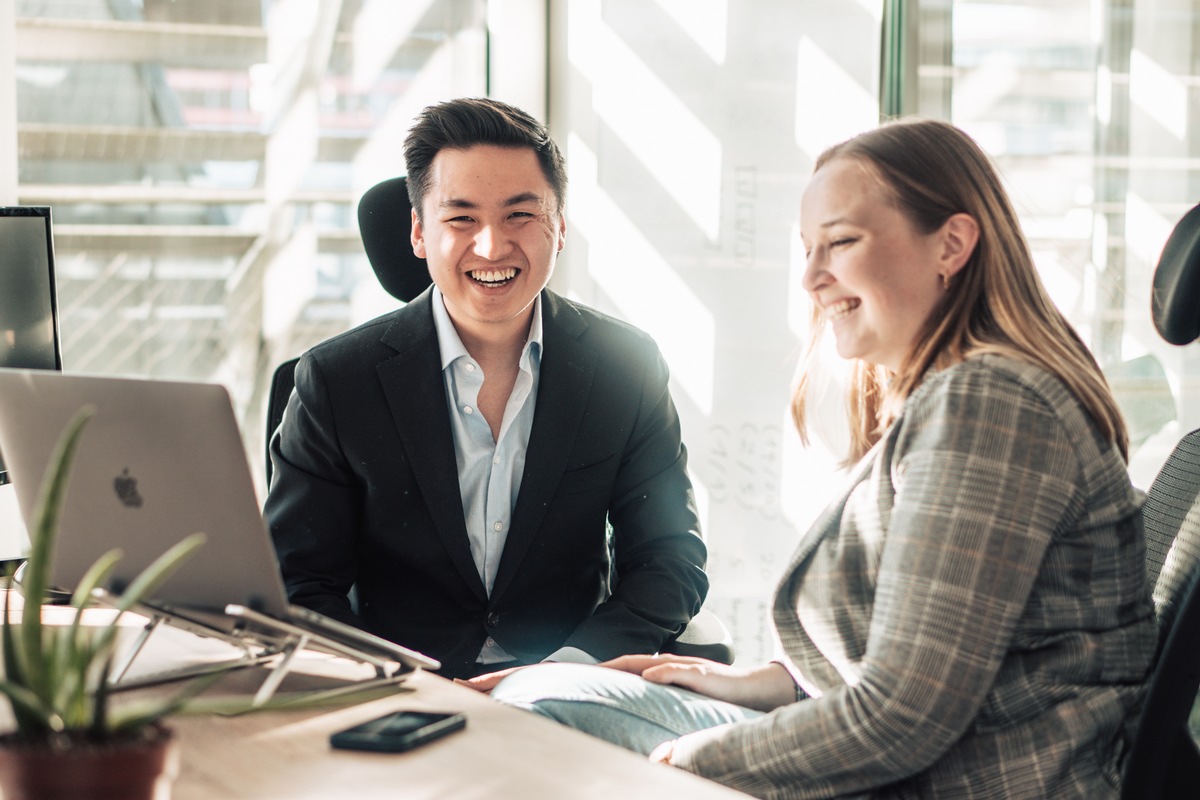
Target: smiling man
(495, 471)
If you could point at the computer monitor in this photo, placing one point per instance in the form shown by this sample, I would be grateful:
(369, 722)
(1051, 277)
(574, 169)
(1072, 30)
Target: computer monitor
(28, 298)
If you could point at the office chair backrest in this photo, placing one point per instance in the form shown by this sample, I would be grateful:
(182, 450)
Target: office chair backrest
(1175, 307)
(282, 383)
(1175, 300)
(1168, 500)
(1164, 761)
(385, 223)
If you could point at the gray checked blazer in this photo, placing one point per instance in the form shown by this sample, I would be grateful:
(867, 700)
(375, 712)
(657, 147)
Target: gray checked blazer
(970, 619)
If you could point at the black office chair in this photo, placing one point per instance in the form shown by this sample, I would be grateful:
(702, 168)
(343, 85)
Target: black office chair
(385, 223)
(283, 380)
(1164, 760)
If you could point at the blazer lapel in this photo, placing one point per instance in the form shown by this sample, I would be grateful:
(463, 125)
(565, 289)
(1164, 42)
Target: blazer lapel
(830, 519)
(564, 383)
(412, 383)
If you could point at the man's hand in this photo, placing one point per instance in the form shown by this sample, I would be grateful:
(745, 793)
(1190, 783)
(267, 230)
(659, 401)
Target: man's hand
(762, 688)
(485, 683)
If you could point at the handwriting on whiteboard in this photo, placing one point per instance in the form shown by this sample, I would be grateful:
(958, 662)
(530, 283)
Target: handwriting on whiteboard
(744, 465)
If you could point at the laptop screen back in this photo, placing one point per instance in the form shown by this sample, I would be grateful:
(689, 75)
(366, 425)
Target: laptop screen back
(158, 461)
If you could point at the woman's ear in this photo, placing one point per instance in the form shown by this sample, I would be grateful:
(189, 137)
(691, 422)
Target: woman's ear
(960, 235)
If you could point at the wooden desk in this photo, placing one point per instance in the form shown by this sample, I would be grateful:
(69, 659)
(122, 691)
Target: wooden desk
(285, 755)
(502, 753)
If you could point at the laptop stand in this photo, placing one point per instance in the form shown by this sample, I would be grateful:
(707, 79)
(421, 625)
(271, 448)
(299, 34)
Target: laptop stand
(260, 638)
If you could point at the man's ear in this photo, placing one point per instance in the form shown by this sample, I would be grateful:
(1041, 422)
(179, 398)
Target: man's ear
(417, 236)
(562, 230)
(960, 235)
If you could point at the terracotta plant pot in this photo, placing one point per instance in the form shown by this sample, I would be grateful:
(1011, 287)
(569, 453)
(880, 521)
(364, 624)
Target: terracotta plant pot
(136, 769)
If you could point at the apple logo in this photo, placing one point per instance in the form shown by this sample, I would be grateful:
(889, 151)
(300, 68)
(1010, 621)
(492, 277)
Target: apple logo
(126, 488)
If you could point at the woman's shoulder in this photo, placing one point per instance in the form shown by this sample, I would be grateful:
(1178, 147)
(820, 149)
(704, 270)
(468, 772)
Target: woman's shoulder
(1010, 393)
(994, 375)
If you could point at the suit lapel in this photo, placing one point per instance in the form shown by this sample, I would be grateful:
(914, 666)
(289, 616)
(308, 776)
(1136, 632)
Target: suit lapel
(564, 383)
(412, 383)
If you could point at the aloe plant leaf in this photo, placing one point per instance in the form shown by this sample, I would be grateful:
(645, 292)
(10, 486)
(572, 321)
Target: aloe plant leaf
(134, 715)
(41, 555)
(14, 669)
(147, 581)
(188, 703)
(34, 717)
(56, 678)
(68, 686)
(99, 707)
(97, 575)
(77, 641)
(159, 570)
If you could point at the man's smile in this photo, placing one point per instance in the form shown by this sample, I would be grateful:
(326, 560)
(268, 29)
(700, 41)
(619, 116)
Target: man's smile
(494, 277)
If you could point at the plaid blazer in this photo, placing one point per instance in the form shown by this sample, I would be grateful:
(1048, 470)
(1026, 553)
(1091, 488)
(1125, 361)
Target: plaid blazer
(970, 619)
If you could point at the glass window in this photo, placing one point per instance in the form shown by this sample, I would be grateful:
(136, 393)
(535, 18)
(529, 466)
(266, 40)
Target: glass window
(691, 128)
(204, 163)
(1090, 110)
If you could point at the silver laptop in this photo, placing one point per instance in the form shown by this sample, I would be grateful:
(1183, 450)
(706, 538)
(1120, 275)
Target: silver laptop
(158, 461)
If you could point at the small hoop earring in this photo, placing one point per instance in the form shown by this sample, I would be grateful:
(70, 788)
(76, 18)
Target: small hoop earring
(946, 281)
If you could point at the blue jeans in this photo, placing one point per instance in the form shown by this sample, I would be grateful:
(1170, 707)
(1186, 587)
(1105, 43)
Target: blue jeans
(616, 706)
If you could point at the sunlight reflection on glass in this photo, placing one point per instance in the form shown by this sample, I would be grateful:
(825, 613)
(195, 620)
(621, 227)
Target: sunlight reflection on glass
(380, 28)
(830, 104)
(673, 144)
(1161, 95)
(290, 282)
(640, 282)
(705, 21)
(1146, 229)
(980, 90)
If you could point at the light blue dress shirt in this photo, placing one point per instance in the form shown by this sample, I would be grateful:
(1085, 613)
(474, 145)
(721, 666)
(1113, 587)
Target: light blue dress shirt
(490, 470)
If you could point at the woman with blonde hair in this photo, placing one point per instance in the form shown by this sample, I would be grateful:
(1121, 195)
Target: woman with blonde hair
(970, 617)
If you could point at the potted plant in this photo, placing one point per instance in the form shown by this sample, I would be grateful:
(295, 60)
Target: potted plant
(69, 739)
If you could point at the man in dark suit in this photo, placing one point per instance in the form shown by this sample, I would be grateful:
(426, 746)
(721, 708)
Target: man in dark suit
(496, 471)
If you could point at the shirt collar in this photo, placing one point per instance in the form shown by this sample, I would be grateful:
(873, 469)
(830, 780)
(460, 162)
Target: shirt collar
(451, 345)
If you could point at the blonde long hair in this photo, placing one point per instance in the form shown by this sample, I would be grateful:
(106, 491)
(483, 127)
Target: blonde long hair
(995, 304)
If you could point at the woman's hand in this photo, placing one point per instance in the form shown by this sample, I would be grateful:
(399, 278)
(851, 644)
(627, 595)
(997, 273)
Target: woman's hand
(662, 753)
(762, 688)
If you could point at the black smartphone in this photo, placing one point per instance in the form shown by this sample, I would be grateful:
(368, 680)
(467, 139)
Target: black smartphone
(398, 731)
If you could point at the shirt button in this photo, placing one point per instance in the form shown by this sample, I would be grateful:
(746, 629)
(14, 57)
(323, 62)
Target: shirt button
(468, 410)
(499, 526)
(470, 367)
(490, 642)
(496, 460)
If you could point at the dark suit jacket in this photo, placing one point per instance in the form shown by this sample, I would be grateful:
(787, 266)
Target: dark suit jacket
(365, 494)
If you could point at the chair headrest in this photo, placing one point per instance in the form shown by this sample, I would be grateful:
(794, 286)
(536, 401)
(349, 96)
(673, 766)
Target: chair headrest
(385, 224)
(1175, 301)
